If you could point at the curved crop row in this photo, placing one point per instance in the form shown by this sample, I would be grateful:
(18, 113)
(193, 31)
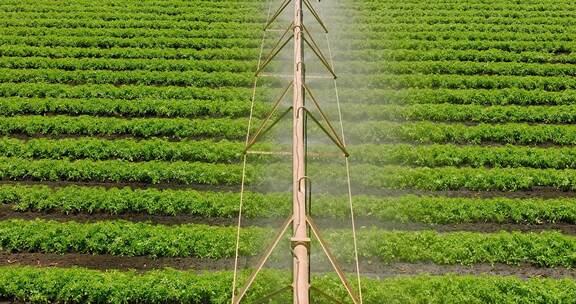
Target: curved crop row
(128, 92)
(128, 53)
(476, 56)
(115, 171)
(486, 97)
(149, 78)
(79, 285)
(72, 64)
(123, 149)
(403, 209)
(434, 132)
(459, 67)
(145, 107)
(474, 156)
(546, 83)
(547, 249)
(189, 43)
(463, 113)
(140, 127)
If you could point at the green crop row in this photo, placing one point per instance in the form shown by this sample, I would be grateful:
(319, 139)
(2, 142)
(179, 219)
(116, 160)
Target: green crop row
(545, 249)
(459, 67)
(473, 35)
(190, 108)
(369, 176)
(453, 178)
(126, 238)
(108, 42)
(129, 53)
(72, 64)
(205, 43)
(403, 209)
(434, 132)
(140, 127)
(546, 83)
(463, 113)
(490, 19)
(238, 14)
(239, 31)
(460, 96)
(474, 156)
(78, 285)
(149, 78)
(123, 149)
(421, 45)
(461, 27)
(116, 171)
(128, 92)
(122, 21)
(478, 56)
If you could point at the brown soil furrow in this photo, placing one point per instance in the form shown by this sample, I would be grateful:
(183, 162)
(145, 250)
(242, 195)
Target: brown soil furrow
(367, 268)
(6, 212)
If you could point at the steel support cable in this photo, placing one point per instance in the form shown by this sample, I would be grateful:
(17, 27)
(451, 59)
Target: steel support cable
(244, 161)
(353, 222)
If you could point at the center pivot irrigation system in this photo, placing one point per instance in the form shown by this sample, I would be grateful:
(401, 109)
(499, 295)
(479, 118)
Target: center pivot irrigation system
(302, 224)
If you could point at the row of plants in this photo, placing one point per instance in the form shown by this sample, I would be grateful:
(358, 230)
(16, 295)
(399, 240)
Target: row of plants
(146, 107)
(79, 285)
(146, 42)
(127, 21)
(545, 249)
(139, 127)
(434, 132)
(138, 77)
(457, 178)
(116, 171)
(72, 64)
(129, 53)
(474, 35)
(452, 44)
(210, 204)
(511, 96)
(248, 31)
(239, 31)
(127, 92)
(367, 176)
(203, 43)
(124, 149)
(546, 83)
(436, 155)
(474, 27)
(458, 67)
(477, 56)
(463, 113)
(207, 14)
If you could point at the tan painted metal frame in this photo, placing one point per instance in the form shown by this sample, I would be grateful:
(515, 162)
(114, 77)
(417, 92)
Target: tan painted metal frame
(300, 219)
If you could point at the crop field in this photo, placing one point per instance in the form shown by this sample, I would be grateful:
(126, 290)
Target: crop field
(123, 126)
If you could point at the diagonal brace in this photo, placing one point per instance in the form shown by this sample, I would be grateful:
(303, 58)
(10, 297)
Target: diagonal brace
(335, 140)
(314, 47)
(323, 115)
(263, 260)
(325, 295)
(277, 13)
(315, 14)
(272, 294)
(332, 260)
(276, 49)
(265, 130)
(268, 117)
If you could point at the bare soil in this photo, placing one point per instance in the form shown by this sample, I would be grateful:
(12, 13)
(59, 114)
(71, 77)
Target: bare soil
(367, 268)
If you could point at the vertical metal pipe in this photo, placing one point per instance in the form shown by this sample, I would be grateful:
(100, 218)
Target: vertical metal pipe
(300, 239)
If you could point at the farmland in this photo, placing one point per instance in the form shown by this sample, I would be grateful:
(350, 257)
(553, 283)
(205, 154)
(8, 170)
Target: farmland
(123, 125)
